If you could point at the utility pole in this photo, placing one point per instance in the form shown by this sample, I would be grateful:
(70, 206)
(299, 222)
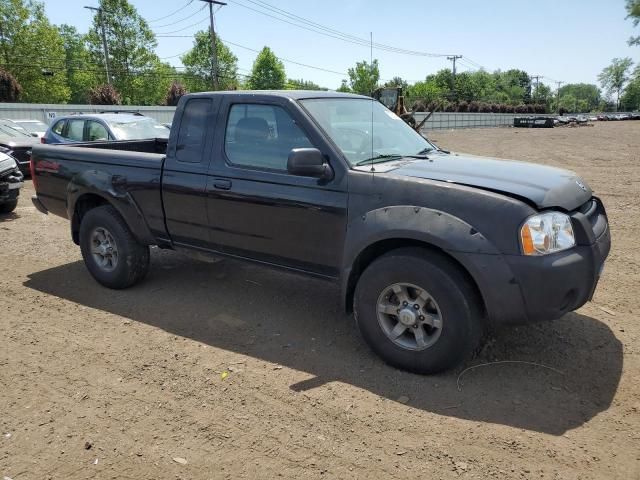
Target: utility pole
(559, 83)
(104, 41)
(214, 53)
(537, 79)
(453, 58)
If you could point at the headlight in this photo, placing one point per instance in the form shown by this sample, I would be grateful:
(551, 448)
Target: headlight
(547, 233)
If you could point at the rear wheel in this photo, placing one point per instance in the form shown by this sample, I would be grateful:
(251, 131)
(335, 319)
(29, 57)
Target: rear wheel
(8, 207)
(110, 251)
(417, 311)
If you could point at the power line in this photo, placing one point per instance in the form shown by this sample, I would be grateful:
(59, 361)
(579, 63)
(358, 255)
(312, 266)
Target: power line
(288, 60)
(182, 20)
(182, 29)
(172, 13)
(326, 31)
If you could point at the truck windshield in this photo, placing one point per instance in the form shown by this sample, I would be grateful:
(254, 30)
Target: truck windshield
(364, 129)
(143, 128)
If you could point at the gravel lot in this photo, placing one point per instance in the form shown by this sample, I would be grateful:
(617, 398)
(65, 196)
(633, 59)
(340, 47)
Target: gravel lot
(129, 384)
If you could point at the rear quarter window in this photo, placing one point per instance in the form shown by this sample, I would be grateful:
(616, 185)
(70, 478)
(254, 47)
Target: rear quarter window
(193, 128)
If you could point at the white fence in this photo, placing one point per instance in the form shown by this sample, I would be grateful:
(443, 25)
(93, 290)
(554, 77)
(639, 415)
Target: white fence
(47, 112)
(438, 121)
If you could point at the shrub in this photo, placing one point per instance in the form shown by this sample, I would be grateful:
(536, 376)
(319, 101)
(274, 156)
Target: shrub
(474, 106)
(104, 94)
(463, 106)
(176, 90)
(540, 108)
(10, 89)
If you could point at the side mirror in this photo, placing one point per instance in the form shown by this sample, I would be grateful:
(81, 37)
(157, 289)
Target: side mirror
(308, 162)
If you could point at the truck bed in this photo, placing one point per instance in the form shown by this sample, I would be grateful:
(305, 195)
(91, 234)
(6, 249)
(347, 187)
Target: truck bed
(125, 168)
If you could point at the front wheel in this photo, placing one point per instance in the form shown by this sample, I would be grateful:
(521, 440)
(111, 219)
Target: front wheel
(9, 206)
(417, 311)
(110, 251)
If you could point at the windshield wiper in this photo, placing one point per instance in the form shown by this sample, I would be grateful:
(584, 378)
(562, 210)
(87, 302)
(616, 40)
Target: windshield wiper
(378, 159)
(424, 151)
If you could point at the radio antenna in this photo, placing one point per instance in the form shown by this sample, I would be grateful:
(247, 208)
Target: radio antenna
(372, 100)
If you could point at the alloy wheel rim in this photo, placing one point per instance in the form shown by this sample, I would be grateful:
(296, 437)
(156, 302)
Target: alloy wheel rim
(104, 249)
(409, 316)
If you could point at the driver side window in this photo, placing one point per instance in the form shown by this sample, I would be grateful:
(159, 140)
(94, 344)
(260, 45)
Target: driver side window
(262, 136)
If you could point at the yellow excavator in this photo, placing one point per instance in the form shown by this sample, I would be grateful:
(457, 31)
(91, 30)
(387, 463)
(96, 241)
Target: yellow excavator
(393, 99)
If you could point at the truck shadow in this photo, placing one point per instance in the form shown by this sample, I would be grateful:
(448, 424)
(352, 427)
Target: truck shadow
(297, 322)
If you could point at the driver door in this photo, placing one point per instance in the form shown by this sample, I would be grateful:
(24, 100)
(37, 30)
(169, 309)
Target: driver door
(256, 208)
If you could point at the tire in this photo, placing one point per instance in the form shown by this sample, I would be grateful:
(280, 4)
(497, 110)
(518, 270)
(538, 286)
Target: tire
(422, 347)
(130, 263)
(8, 207)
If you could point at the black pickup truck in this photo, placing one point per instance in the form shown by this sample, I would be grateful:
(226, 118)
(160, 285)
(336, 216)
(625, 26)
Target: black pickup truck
(428, 246)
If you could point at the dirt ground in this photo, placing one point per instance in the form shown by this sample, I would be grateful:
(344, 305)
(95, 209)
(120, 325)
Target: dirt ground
(129, 384)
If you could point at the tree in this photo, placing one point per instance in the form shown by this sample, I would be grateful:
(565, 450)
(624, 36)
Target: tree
(633, 10)
(198, 64)
(267, 72)
(583, 91)
(364, 77)
(136, 71)
(542, 95)
(302, 85)
(10, 89)
(176, 90)
(82, 75)
(396, 82)
(104, 94)
(32, 50)
(630, 100)
(344, 87)
(614, 77)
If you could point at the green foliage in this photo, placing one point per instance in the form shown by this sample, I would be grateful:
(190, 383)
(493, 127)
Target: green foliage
(82, 76)
(104, 94)
(542, 94)
(136, 70)
(586, 93)
(302, 85)
(633, 12)
(364, 77)
(614, 77)
(344, 87)
(630, 100)
(32, 50)
(198, 65)
(396, 82)
(10, 89)
(267, 72)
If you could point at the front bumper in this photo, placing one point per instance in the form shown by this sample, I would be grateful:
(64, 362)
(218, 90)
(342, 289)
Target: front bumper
(10, 185)
(521, 289)
(559, 283)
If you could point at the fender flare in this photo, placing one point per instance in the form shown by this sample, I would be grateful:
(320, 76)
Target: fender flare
(100, 184)
(438, 229)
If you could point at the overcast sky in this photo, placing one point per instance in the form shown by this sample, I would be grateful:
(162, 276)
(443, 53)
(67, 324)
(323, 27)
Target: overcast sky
(568, 40)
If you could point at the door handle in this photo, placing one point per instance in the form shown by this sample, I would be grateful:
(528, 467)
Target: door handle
(222, 184)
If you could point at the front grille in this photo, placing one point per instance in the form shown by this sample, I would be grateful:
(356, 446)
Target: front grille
(593, 210)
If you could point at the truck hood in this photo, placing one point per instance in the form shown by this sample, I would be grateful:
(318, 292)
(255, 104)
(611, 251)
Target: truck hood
(543, 186)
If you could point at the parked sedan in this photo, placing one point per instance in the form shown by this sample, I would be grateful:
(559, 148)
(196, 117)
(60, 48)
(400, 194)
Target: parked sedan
(35, 128)
(16, 143)
(102, 127)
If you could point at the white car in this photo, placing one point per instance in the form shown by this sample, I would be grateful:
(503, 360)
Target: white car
(35, 128)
